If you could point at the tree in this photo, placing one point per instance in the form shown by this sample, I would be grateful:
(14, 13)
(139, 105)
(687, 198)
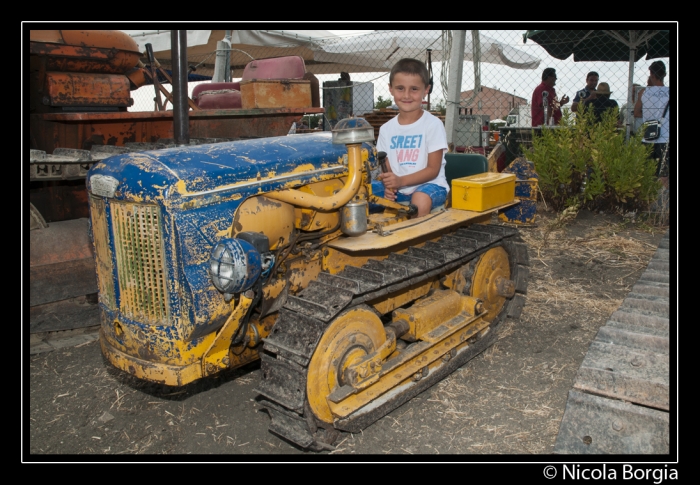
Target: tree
(383, 103)
(312, 120)
(439, 105)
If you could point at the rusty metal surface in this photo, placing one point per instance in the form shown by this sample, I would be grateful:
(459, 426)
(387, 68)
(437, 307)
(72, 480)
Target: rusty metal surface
(61, 281)
(61, 264)
(59, 242)
(620, 401)
(64, 316)
(83, 130)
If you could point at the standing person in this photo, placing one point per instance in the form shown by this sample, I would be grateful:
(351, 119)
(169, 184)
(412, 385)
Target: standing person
(552, 104)
(591, 84)
(601, 102)
(651, 105)
(415, 142)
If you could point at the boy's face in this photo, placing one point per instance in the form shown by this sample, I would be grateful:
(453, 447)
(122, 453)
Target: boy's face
(408, 91)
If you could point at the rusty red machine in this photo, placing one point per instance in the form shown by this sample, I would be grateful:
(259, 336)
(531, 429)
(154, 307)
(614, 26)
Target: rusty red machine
(81, 83)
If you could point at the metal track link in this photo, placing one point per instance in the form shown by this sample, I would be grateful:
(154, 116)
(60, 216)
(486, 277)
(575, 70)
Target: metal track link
(304, 317)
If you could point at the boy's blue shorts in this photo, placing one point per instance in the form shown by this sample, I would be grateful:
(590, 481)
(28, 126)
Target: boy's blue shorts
(437, 194)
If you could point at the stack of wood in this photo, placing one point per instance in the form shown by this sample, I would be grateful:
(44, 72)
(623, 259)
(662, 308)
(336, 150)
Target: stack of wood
(380, 116)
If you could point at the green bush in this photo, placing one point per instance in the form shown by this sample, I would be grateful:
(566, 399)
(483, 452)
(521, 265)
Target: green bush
(590, 164)
(383, 103)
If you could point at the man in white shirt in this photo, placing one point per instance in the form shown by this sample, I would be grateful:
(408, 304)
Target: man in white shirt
(652, 104)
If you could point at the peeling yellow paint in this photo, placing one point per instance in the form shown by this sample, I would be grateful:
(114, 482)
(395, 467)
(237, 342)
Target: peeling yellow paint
(304, 168)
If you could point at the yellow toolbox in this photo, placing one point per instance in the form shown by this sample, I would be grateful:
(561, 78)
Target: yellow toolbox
(483, 191)
(275, 93)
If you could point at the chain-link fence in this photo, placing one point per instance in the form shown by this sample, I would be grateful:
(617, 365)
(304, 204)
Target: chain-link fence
(499, 72)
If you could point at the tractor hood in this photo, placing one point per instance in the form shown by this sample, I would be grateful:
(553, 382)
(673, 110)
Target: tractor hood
(217, 170)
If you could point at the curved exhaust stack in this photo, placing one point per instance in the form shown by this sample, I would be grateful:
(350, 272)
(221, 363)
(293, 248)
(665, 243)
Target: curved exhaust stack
(342, 197)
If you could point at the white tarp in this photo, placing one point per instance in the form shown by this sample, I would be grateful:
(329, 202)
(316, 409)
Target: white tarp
(380, 50)
(160, 39)
(245, 46)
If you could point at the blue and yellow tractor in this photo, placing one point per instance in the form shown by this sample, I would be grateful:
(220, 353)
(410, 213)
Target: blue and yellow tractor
(212, 256)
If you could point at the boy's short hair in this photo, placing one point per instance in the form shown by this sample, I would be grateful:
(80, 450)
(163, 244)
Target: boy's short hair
(550, 71)
(592, 73)
(658, 69)
(409, 65)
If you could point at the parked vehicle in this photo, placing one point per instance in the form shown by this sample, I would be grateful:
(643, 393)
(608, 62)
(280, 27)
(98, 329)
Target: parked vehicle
(213, 256)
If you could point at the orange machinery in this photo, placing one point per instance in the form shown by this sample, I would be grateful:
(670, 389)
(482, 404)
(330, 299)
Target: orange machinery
(80, 93)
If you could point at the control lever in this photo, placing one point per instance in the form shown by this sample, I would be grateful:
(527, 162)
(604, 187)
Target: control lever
(381, 156)
(382, 161)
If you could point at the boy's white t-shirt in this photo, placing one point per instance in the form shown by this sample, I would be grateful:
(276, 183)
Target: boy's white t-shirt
(407, 147)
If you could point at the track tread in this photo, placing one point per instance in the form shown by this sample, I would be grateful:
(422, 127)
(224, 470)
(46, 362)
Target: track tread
(303, 318)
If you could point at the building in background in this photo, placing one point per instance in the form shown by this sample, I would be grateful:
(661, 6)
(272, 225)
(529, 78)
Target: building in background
(491, 102)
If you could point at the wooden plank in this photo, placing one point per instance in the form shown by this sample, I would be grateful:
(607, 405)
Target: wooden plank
(596, 425)
(634, 338)
(619, 372)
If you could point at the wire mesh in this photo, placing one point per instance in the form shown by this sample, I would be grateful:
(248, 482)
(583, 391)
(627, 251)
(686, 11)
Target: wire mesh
(499, 73)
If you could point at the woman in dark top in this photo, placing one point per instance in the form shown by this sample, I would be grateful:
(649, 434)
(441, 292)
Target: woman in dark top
(600, 101)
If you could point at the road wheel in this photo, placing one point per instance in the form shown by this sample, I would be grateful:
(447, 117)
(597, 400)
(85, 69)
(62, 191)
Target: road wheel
(354, 334)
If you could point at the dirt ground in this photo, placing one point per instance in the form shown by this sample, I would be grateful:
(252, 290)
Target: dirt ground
(508, 401)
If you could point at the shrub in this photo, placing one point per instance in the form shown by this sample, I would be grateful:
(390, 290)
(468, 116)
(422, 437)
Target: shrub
(383, 103)
(589, 164)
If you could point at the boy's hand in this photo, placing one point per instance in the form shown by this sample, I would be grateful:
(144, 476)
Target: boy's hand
(390, 194)
(390, 180)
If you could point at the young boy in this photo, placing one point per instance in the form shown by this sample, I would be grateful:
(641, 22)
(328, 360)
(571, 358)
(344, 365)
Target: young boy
(415, 142)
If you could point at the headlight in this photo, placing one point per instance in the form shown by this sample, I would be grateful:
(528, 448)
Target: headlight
(234, 266)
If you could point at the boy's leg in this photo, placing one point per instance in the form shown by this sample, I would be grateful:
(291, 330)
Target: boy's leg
(423, 202)
(428, 196)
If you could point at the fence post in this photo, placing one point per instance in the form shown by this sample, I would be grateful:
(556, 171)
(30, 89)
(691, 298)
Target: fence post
(221, 65)
(454, 84)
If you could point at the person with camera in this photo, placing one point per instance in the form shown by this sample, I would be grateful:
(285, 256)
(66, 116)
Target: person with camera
(545, 106)
(652, 107)
(601, 102)
(585, 93)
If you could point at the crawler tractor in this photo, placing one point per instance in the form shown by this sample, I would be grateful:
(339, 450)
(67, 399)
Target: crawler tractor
(213, 256)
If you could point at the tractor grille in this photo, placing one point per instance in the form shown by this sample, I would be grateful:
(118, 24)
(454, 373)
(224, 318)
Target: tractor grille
(105, 281)
(140, 259)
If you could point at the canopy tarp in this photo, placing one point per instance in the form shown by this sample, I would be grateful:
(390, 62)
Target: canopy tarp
(602, 45)
(246, 45)
(381, 49)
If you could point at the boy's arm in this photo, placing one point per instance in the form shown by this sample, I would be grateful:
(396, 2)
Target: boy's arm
(429, 173)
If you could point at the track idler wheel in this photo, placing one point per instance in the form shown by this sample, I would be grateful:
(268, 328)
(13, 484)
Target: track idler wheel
(352, 336)
(491, 281)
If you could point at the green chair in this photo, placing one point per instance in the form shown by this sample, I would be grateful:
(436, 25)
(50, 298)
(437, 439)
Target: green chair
(463, 164)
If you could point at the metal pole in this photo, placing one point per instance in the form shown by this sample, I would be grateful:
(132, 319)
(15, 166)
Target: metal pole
(181, 122)
(629, 116)
(220, 65)
(454, 85)
(227, 39)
